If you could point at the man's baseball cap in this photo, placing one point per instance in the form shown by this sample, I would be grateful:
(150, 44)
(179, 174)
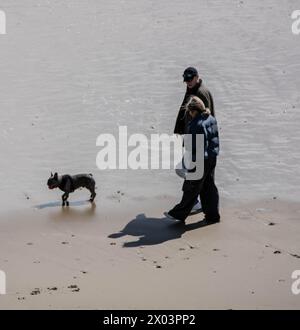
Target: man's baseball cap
(189, 73)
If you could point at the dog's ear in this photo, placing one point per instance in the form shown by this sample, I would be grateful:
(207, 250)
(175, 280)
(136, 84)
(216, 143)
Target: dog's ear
(55, 175)
(51, 174)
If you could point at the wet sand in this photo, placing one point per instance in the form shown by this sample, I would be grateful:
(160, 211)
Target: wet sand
(73, 70)
(85, 257)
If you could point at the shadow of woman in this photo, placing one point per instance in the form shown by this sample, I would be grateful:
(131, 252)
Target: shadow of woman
(152, 231)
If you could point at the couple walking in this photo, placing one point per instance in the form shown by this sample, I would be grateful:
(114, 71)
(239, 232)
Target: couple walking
(196, 116)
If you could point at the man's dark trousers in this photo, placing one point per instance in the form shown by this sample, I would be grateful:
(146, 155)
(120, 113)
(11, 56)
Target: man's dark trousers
(208, 193)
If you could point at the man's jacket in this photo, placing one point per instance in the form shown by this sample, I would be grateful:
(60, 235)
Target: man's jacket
(204, 94)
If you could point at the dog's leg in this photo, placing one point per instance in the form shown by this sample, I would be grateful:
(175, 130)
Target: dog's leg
(93, 194)
(67, 190)
(64, 199)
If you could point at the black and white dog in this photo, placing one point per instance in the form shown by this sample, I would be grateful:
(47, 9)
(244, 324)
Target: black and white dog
(69, 183)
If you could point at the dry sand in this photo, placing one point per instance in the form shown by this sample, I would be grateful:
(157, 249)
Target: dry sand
(72, 70)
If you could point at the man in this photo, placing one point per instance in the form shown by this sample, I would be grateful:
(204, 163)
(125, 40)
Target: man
(201, 123)
(194, 86)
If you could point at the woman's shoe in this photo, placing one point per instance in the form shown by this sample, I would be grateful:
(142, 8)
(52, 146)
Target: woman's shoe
(169, 216)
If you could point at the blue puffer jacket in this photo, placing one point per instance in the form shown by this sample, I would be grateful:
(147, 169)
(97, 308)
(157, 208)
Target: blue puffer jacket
(205, 124)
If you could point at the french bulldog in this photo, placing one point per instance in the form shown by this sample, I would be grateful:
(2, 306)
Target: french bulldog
(69, 183)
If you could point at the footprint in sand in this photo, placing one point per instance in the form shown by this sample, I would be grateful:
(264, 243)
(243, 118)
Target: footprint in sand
(35, 292)
(295, 255)
(54, 288)
(74, 288)
(117, 196)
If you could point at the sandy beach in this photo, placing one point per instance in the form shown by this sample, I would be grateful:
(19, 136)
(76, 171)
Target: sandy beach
(70, 71)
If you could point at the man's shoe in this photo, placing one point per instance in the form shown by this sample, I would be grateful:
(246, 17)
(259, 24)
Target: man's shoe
(212, 220)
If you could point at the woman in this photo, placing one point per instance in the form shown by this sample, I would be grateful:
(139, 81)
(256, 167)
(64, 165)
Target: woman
(202, 122)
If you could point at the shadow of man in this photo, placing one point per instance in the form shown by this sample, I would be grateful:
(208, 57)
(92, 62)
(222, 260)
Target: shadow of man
(152, 231)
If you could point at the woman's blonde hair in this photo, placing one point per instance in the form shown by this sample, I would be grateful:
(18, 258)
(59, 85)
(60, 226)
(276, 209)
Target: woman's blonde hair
(196, 104)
